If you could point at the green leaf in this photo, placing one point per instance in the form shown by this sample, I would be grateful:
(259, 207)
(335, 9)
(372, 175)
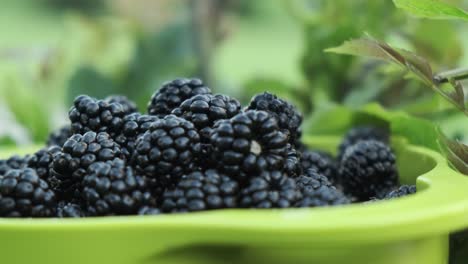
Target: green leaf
(337, 119)
(431, 9)
(408, 61)
(455, 151)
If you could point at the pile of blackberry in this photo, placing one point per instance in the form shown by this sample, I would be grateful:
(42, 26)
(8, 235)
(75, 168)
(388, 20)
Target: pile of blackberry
(191, 151)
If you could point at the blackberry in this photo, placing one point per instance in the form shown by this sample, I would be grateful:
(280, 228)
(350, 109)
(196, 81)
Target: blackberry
(89, 114)
(68, 209)
(129, 106)
(173, 93)
(112, 188)
(367, 169)
(24, 194)
(321, 162)
(248, 144)
(289, 119)
(317, 190)
(167, 150)
(58, 137)
(78, 153)
(204, 110)
(292, 164)
(361, 133)
(200, 191)
(400, 192)
(134, 125)
(271, 189)
(148, 210)
(13, 163)
(42, 160)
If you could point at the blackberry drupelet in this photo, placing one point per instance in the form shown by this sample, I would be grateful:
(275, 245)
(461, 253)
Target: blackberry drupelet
(78, 153)
(361, 133)
(69, 210)
(173, 93)
(367, 169)
(271, 189)
(292, 164)
(148, 210)
(200, 191)
(89, 114)
(167, 150)
(204, 110)
(322, 162)
(112, 188)
(288, 117)
(134, 125)
(24, 194)
(13, 163)
(58, 137)
(317, 190)
(248, 144)
(42, 160)
(129, 106)
(400, 192)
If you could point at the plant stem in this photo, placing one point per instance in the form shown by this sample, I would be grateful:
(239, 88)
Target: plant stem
(455, 74)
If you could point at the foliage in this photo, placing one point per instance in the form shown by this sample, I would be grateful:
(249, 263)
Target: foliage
(434, 9)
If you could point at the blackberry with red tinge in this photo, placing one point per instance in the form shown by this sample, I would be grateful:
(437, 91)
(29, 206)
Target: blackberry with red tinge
(128, 106)
(248, 144)
(322, 162)
(167, 150)
(112, 188)
(367, 169)
(271, 189)
(90, 114)
(24, 194)
(173, 93)
(200, 191)
(58, 137)
(289, 119)
(362, 133)
(204, 110)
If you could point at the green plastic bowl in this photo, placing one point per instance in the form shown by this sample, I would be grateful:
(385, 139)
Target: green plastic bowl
(412, 229)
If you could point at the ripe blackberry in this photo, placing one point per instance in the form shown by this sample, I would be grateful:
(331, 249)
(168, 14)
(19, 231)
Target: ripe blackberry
(78, 153)
(322, 162)
(129, 106)
(200, 191)
(367, 169)
(58, 137)
(13, 163)
(204, 110)
(148, 210)
(90, 114)
(292, 164)
(173, 93)
(317, 190)
(112, 188)
(248, 143)
(24, 194)
(361, 133)
(272, 189)
(134, 125)
(288, 117)
(400, 192)
(42, 160)
(167, 150)
(68, 209)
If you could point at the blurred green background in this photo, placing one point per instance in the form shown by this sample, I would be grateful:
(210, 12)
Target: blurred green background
(54, 50)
